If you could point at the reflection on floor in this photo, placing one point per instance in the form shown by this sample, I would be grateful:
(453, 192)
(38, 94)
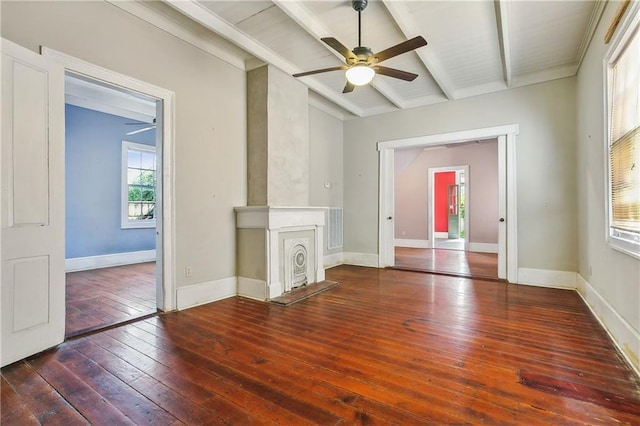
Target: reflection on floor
(102, 297)
(450, 244)
(463, 263)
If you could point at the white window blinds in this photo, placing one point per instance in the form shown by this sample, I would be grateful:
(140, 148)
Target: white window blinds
(624, 149)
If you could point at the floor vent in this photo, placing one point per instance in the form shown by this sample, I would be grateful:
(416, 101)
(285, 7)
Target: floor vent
(334, 228)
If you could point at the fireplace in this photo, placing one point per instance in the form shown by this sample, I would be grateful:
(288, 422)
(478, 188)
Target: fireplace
(279, 249)
(297, 267)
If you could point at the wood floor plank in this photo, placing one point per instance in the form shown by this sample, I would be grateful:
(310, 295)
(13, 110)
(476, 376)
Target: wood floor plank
(96, 409)
(299, 383)
(339, 375)
(136, 407)
(512, 373)
(218, 411)
(445, 261)
(101, 297)
(383, 347)
(46, 404)
(199, 385)
(357, 368)
(13, 410)
(200, 365)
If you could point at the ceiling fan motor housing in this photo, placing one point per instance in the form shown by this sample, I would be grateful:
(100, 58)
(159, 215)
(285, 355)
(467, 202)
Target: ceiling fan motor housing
(363, 53)
(359, 5)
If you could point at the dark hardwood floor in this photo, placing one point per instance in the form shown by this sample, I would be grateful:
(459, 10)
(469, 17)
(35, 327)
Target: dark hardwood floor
(102, 297)
(455, 262)
(383, 347)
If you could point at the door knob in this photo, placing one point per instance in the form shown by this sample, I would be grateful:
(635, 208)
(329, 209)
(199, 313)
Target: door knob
(502, 219)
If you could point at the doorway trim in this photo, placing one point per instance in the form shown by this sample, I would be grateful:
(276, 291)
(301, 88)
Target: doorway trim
(166, 292)
(431, 201)
(507, 201)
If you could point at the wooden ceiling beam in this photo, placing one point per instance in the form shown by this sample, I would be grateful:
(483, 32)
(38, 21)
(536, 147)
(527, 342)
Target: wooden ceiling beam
(502, 23)
(215, 23)
(401, 14)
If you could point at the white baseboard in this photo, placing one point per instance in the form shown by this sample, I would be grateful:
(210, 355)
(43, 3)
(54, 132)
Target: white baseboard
(360, 259)
(441, 235)
(399, 242)
(483, 247)
(547, 278)
(623, 334)
(331, 260)
(252, 288)
(107, 260)
(199, 294)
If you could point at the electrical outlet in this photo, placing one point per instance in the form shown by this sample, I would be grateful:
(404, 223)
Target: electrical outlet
(187, 271)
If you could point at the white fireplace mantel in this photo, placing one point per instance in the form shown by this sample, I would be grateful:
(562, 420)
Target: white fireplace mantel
(268, 217)
(277, 221)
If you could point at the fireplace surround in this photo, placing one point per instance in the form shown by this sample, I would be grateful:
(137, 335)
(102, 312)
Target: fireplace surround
(279, 249)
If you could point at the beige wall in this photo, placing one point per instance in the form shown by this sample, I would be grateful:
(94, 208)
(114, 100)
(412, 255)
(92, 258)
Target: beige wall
(210, 113)
(325, 159)
(616, 276)
(325, 163)
(546, 166)
(411, 190)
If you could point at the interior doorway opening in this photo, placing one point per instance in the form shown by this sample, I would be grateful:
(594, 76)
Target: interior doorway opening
(506, 217)
(112, 182)
(448, 214)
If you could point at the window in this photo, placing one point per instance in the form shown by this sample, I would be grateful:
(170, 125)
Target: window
(623, 140)
(138, 185)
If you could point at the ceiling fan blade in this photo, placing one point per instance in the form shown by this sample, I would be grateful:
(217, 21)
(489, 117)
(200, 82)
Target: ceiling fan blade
(348, 88)
(392, 72)
(144, 129)
(302, 74)
(142, 123)
(399, 49)
(339, 47)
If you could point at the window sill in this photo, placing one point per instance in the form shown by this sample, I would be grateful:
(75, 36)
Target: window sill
(138, 225)
(624, 246)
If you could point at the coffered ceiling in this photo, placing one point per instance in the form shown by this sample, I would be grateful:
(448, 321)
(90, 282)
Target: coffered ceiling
(474, 47)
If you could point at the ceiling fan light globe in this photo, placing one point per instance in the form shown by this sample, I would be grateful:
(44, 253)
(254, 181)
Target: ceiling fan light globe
(360, 75)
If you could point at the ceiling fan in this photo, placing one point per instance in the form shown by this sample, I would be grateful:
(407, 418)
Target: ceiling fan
(149, 126)
(362, 63)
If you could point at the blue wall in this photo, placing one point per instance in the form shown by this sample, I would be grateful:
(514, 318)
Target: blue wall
(93, 156)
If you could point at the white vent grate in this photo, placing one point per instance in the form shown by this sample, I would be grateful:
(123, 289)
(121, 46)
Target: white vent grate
(334, 228)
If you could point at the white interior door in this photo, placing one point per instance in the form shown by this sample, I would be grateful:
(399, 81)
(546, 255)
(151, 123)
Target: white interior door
(386, 210)
(32, 215)
(502, 207)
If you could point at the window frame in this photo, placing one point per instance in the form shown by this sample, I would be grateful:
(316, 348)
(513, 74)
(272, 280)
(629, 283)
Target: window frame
(623, 241)
(124, 211)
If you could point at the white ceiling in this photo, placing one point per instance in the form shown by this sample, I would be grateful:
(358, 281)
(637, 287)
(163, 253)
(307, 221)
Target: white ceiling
(91, 94)
(474, 47)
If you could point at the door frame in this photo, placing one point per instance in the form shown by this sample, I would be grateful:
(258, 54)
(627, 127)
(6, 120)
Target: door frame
(165, 224)
(431, 201)
(507, 201)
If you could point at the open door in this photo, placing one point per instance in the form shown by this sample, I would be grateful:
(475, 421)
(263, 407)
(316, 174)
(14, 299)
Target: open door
(453, 215)
(32, 215)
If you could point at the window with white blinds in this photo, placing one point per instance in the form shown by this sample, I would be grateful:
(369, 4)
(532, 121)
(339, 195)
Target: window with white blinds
(623, 142)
